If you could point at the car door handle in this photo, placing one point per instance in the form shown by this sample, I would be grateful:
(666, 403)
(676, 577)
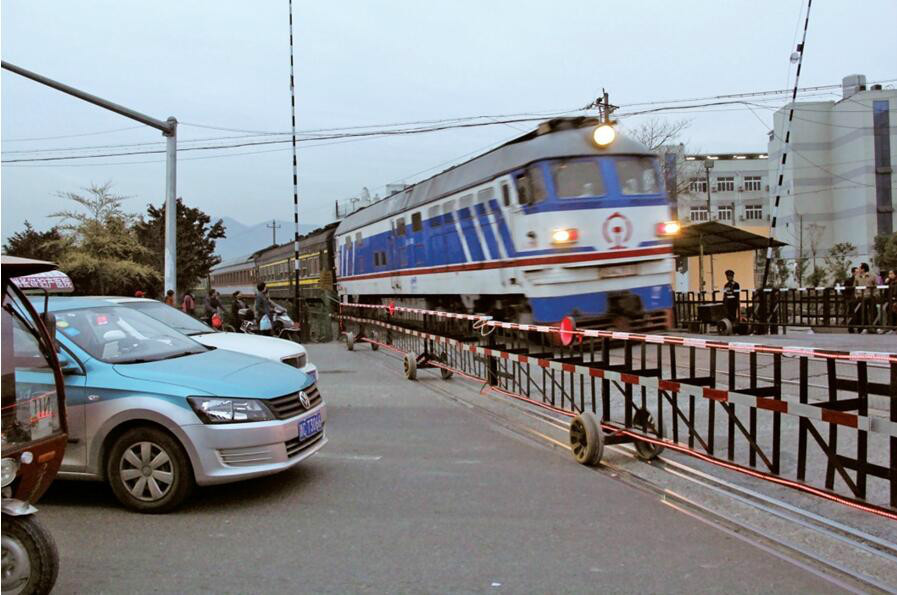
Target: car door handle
(93, 398)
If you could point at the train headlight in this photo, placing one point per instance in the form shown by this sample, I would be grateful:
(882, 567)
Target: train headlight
(668, 228)
(565, 236)
(604, 135)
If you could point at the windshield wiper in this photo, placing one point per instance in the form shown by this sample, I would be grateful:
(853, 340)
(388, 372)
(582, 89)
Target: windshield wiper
(181, 354)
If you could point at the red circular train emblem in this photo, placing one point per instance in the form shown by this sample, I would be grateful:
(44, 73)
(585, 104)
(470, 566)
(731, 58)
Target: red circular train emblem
(617, 231)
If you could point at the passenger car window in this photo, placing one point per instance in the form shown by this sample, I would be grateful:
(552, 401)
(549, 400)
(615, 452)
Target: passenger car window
(637, 175)
(577, 178)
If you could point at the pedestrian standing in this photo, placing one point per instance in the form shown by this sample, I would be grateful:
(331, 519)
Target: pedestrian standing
(890, 299)
(850, 299)
(188, 304)
(169, 298)
(865, 286)
(731, 296)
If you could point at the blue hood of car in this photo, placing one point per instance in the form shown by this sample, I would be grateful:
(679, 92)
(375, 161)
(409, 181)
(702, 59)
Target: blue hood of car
(222, 373)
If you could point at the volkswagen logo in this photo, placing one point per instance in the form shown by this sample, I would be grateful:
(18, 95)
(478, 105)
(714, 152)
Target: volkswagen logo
(303, 398)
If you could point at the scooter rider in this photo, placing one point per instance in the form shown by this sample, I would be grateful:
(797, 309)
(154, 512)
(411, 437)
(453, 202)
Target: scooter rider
(263, 308)
(236, 305)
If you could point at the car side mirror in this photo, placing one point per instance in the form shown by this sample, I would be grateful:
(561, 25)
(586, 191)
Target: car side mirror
(67, 364)
(49, 320)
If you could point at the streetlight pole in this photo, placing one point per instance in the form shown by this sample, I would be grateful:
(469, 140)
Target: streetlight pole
(169, 131)
(708, 165)
(171, 207)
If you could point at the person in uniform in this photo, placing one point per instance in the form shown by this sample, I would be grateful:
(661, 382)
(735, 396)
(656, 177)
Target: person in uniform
(731, 296)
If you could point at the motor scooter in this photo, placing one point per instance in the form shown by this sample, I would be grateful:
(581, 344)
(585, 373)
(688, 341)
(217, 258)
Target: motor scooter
(34, 431)
(283, 326)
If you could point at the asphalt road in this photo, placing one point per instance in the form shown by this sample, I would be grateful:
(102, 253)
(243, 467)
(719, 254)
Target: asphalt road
(414, 493)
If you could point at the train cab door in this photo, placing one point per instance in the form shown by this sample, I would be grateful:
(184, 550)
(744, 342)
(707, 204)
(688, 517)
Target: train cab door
(396, 249)
(527, 188)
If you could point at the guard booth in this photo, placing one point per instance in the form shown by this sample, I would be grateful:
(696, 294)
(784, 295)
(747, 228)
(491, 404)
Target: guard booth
(698, 310)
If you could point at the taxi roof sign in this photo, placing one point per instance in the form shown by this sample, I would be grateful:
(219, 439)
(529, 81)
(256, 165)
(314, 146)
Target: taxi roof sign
(50, 281)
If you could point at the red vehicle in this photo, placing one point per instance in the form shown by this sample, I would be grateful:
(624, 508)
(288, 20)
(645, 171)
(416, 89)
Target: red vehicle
(33, 424)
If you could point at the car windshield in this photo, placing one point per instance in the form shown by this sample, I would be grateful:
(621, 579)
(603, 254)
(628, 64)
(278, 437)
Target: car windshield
(120, 335)
(171, 316)
(637, 175)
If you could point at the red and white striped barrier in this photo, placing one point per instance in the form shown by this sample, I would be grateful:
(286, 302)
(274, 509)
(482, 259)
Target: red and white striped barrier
(870, 424)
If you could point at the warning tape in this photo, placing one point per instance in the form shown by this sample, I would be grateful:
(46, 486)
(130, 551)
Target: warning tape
(737, 346)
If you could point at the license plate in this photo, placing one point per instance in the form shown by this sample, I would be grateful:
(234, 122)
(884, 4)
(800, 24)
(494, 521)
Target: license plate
(310, 426)
(617, 271)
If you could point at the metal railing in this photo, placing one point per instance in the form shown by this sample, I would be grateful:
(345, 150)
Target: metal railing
(855, 309)
(727, 403)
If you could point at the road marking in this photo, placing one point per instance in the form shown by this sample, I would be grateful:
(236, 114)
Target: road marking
(330, 455)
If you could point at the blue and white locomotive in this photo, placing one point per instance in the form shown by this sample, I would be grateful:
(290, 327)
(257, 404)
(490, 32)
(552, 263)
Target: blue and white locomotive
(568, 220)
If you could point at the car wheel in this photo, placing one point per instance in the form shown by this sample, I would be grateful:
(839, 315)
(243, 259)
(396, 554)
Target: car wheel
(149, 471)
(30, 557)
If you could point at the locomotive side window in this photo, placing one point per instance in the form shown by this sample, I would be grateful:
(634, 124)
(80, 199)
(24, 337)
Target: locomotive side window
(400, 226)
(577, 178)
(531, 186)
(637, 175)
(505, 195)
(416, 224)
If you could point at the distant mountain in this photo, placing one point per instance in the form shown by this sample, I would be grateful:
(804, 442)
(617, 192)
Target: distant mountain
(243, 239)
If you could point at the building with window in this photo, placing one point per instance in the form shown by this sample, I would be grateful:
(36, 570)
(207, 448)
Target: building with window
(729, 188)
(838, 182)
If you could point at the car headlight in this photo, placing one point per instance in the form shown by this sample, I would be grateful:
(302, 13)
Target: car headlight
(9, 468)
(223, 410)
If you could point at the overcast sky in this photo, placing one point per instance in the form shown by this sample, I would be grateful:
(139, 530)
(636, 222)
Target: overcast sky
(226, 64)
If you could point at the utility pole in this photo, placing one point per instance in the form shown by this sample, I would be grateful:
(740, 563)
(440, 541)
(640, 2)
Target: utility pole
(169, 130)
(274, 226)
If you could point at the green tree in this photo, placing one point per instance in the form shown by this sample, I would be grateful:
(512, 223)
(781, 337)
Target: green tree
(817, 277)
(98, 248)
(886, 252)
(837, 261)
(196, 236)
(30, 243)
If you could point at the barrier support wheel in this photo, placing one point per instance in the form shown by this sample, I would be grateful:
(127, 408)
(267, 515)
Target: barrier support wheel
(444, 373)
(375, 336)
(410, 366)
(350, 341)
(725, 327)
(644, 421)
(586, 439)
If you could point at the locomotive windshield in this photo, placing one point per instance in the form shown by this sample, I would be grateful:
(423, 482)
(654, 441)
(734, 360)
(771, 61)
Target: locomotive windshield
(574, 178)
(637, 175)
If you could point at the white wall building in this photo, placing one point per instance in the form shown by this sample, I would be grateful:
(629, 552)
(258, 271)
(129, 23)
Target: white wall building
(738, 184)
(838, 183)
